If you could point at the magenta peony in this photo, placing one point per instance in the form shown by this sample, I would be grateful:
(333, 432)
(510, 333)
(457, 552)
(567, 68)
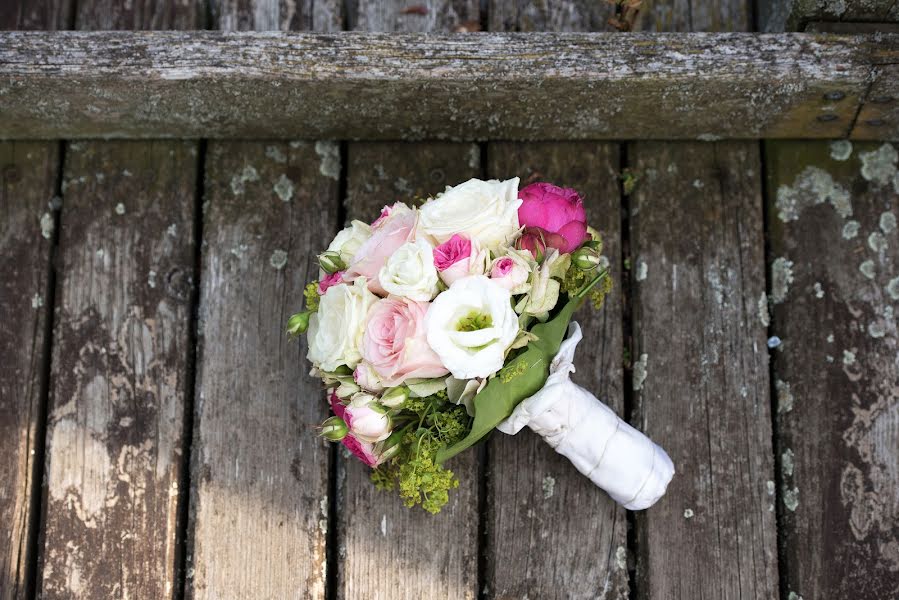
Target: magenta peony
(552, 217)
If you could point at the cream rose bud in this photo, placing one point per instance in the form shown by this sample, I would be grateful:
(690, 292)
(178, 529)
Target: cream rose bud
(336, 329)
(511, 272)
(471, 325)
(410, 272)
(367, 420)
(483, 211)
(347, 242)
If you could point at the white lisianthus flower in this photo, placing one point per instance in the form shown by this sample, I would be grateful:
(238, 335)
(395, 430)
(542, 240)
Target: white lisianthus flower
(470, 326)
(336, 329)
(410, 272)
(347, 242)
(484, 211)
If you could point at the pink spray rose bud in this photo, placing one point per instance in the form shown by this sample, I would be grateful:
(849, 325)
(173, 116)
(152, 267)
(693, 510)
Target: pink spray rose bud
(456, 258)
(367, 378)
(364, 451)
(390, 231)
(552, 217)
(367, 420)
(395, 342)
(508, 273)
(329, 280)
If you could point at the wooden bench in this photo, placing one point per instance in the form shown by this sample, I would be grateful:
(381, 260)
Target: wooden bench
(156, 423)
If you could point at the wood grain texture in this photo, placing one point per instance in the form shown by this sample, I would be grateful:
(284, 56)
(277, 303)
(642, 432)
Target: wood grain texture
(381, 542)
(461, 86)
(412, 15)
(277, 15)
(837, 371)
(260, 474)
(36, 14)
(701, 370)
(551, 533)
(794, 15)
(695, 15)
(550, 15)
(115, 428)
(878, 118)
(99, 15)
(28, 175)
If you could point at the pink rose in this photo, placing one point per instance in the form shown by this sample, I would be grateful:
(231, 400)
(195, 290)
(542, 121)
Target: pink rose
(552, 217)
(366, 419)
(395, 343)
(456, 258)
(364, 451)
(367, 378)
(327, 281)
(391, 230)
(508, 273)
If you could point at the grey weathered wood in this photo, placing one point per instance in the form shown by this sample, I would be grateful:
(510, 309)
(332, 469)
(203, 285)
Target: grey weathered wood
(794, 15)
(259, 502)
(551, 533)
(28, 174)
(550, 15)
(836, 372)
(412, 15)
(381, 542)
(461, 86)
(701, 370)
(99, 15)
(115, 427)
(695, 15)
(36, 14)
(878, 118)
(277, 15)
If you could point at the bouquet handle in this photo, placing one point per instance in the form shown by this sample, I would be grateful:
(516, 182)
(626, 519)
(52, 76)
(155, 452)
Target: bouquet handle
(632, 469)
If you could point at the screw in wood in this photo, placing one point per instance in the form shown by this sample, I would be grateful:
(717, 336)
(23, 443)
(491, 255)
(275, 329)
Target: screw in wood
(834, 96)
(827, 117)
(881, 100)
(875, 122)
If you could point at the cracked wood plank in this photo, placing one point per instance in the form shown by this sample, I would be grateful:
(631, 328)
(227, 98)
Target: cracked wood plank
(120, 371)
(374, 528)
(28, 175)
(701, 370)
(835, 245)
(456, 87)
(36, 14)
(552, 533)
(259, 498)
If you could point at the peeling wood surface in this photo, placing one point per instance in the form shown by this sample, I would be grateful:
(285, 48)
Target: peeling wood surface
(28, 174)
(701, 370)
(381, 543)
(837, 371)
(464, 86)
(551, 533)
(120, 360)
(259, 474)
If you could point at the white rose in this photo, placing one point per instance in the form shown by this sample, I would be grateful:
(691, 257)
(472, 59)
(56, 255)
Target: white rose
(470, 326)
(485, 211)
(347, 242)
(410, 272)
(336, 329)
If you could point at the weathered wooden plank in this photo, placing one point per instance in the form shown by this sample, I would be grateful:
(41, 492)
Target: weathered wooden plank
(458, 87)
(550, 15)
(413, 15)
(28, 175)
(115, 428)
(259, 501)
(878, 118)
(551, 533)
(835, 284)
(776, 15)
(36, 14)
(700, 375)
(374, 528)
(693, 15)
(99, 15)
(277, 15)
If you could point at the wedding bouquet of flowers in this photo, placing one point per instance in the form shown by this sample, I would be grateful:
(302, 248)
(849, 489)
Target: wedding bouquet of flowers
(447, 318)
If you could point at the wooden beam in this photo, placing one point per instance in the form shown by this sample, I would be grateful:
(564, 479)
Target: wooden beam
(411, 86)
(794, 15)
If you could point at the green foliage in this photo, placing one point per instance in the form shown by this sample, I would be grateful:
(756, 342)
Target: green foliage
(311, 294)
(629, 181)
(431, 424)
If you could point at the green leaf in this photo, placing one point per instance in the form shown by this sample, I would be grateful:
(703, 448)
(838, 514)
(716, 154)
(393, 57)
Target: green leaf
(521, 378)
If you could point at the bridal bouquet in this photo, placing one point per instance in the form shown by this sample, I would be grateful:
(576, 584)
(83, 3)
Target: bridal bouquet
(440, 322)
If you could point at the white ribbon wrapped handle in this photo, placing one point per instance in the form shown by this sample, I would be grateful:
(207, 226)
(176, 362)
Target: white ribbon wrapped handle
(616, 457)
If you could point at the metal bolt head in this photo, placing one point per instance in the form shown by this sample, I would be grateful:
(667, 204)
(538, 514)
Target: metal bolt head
(881, 100)
(827, 117)
(875, 122)
(834, 96)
